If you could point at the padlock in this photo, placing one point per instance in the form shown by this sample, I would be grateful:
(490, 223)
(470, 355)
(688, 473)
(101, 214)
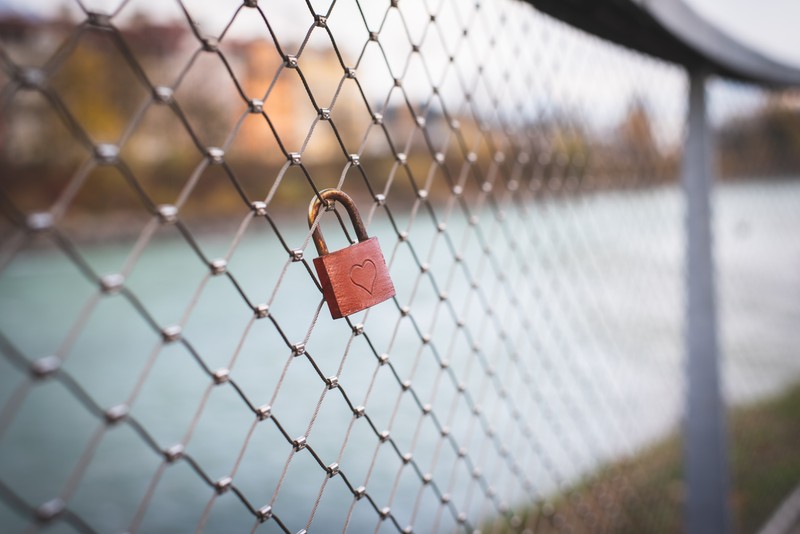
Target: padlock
(356, 277)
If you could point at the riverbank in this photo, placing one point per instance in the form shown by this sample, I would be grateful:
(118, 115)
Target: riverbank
(645, 493)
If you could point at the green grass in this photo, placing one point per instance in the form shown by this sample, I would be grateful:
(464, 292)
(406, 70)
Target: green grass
(766, 457)
(645, 493)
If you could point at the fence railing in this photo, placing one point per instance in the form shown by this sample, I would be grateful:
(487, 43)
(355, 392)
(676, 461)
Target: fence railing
(168, 361)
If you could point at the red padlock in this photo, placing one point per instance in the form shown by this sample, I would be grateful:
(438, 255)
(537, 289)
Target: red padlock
(356, 277)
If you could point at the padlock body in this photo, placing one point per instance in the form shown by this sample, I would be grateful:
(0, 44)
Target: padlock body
(354, 278)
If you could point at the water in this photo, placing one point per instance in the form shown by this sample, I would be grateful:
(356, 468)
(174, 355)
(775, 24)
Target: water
(591, 304)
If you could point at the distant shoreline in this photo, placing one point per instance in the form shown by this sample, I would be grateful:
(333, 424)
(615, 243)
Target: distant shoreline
(104, 228)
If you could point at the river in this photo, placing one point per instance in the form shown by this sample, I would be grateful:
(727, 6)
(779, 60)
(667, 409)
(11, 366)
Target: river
(583, 345)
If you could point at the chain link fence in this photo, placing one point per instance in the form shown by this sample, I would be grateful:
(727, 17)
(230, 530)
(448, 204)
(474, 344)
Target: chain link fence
(168, 362)
(758, 252)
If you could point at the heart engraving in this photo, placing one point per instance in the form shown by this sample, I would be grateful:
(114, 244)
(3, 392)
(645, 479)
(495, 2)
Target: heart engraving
(363, 275)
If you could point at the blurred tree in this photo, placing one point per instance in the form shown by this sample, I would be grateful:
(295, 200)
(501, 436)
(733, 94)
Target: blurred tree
(641, 159)
(635, 131)
(765, 143)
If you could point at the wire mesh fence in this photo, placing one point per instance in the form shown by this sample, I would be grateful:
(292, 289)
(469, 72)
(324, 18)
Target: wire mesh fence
(168, 362)
(757, 275)
(757, 253)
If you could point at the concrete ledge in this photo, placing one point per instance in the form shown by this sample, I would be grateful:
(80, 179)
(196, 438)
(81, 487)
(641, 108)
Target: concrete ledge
(786, 519)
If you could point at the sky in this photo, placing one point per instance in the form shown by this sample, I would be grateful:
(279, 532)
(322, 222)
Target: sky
(771, 26)
(768, 25)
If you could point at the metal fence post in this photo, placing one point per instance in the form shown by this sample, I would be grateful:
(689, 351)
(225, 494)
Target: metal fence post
(705, 446)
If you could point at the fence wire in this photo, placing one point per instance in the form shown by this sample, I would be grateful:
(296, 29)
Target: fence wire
(757, 253)
(168, 362)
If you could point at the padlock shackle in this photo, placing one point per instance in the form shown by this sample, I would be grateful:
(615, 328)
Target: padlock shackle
(327, 195)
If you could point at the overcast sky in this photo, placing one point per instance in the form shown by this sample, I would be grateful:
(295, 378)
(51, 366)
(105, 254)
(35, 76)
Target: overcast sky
(773, 26)
(770, 25)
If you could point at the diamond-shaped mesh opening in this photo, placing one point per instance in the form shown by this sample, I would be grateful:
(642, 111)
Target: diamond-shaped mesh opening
(323, 156)
(321, 69)
(289, 23)
(376, 86)
(102, 105)
(290, 110)
(348, 37)
(65, 418)
(211, 120)
(26, 285)
(168, 292)
(125, 337)
(218, 294)
(39, 160)
(219, 184)
(167, 424)
(160, 154)
(232, 429)
(302, 497)
(254, 63)
(172, 488)
(108, 194)
(297, 322)
(255, 156)
(109, 495)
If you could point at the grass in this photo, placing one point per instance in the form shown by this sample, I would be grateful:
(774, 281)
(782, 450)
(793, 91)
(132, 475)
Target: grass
(645, 493)
(766, 457)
